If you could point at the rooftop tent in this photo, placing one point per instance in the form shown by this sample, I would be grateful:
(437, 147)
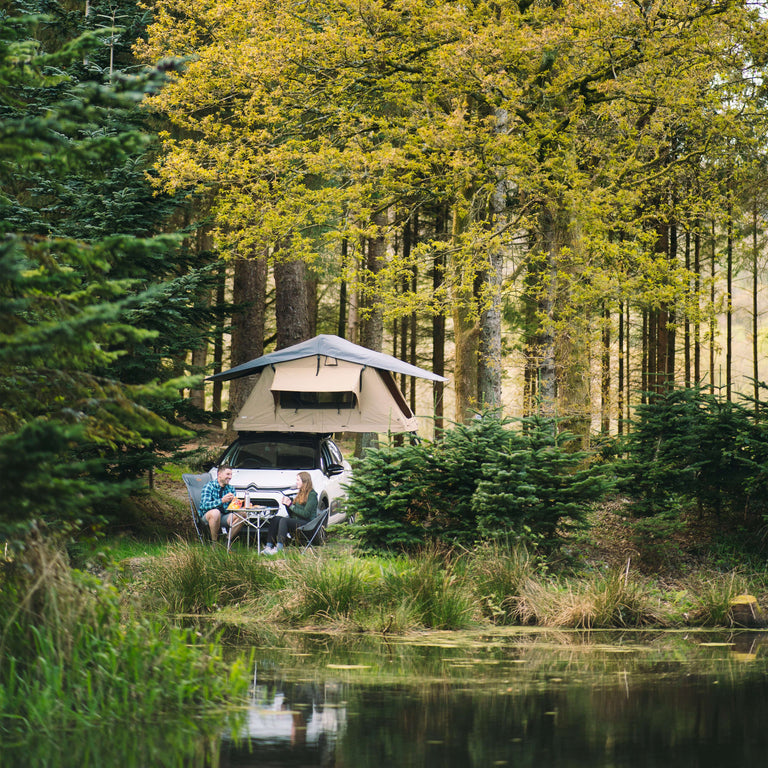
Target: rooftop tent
(326, 384)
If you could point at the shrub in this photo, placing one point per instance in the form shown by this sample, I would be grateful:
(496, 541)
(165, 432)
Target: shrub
(482, 480)
(691, 447)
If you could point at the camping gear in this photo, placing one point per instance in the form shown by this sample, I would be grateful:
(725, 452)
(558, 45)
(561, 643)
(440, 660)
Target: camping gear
(325, 384)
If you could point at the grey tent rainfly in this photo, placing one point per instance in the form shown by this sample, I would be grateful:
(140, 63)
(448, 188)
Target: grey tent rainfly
(325, 384)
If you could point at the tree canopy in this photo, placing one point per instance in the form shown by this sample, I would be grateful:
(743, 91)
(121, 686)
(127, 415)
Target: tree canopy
(568, 136)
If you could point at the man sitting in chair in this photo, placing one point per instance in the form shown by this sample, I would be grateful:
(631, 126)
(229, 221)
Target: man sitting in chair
(216, 496)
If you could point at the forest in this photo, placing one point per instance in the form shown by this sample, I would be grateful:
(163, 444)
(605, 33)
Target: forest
(560, 206)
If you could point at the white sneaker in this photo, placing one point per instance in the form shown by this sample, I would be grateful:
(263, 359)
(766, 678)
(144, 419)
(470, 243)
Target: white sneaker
(268, 551)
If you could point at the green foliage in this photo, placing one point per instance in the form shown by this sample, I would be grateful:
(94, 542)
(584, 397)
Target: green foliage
(688, 446)
(537, 487)
(93, 307)
(499, 574)
(482, 480)
(385, 492)
(433, 586)
(320, 589)
(71, 658)
(193, 579)
(711, 597)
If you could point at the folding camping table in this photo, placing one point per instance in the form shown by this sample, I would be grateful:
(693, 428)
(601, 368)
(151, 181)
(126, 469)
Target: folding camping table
(255, 517)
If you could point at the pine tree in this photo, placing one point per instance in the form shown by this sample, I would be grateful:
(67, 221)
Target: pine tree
(67, 314)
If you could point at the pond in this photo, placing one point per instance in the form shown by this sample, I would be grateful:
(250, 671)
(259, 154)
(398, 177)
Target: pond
(517, 698)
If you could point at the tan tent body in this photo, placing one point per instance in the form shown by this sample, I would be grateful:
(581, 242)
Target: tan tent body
(325, 384)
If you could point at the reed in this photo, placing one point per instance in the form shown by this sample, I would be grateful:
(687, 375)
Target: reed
(71, 656)
(711, 597)
(497, 574)
(433, 589)
(433, 586)
(327, 589)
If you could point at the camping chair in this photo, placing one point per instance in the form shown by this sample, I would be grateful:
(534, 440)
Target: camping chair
(195, 485)
(312, 532)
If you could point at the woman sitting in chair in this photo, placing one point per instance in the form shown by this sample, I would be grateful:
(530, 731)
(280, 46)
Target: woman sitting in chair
(300, 510)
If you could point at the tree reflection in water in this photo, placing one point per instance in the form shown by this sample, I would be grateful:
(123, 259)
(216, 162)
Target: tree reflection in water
(533, 699)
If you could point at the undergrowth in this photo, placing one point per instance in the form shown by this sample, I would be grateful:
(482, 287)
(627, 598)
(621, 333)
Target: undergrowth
(72, 655)
(434, 589)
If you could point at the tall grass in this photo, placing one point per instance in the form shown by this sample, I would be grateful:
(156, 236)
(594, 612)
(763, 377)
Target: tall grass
(711, 597)
(430, 590)
(328, 590)
(195, 579)
(434, 590)
(498, 574)
(70, 656)
(607, 600)
(379, 594)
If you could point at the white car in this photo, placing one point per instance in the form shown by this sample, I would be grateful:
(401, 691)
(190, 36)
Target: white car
(265, 464)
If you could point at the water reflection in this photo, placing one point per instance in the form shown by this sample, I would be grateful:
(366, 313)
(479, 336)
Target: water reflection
(527, 698)
(509, 698)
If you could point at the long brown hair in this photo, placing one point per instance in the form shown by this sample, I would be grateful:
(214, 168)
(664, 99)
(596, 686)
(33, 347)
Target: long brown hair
(306, 487)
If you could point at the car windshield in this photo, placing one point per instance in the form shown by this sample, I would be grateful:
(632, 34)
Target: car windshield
(271, 454)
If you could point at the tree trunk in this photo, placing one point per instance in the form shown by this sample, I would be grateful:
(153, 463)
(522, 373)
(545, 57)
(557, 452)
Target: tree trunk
(312, 286)
(353, 296)
(755, 326)
(489, 359)
(712, 326)
(671, 352)
(341, 330)
(729, 304)
(605, 374)
(413, 359)
(218, 344)
(248, 295)
(620, 372)
(553, 237)
(405, 320)
(687, 324)
(489, 368)
(660, 322)
(203, 244)
(645, 356)
(697, 293)
(372, 321)
(466, 330)
(438, 331)
(291, 302)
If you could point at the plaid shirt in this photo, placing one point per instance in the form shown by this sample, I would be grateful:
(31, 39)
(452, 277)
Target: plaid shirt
(211, 496)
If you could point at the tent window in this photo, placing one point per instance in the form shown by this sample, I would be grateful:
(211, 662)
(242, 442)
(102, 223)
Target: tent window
(298, 400)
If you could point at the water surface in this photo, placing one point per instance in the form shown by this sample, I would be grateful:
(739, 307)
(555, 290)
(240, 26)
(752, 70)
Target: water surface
(517, 698)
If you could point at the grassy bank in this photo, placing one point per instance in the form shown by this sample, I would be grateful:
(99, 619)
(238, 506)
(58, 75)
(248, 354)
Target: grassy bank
(122, 638)
(74, 654)
(490, 585)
